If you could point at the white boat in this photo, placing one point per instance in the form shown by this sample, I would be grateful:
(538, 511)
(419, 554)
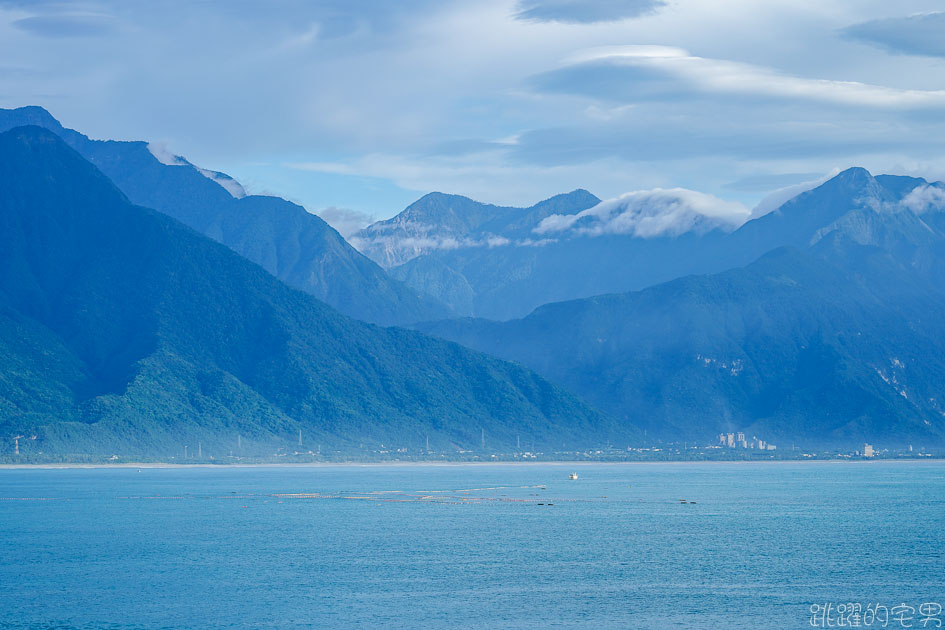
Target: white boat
(572, 476)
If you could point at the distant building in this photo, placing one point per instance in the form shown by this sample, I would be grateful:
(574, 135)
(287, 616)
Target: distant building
(771, 447)
(868, 450)
(738, 439)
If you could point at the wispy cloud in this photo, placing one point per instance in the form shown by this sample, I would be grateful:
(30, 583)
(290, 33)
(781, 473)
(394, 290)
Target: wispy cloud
(777, 198)
(627, 73)
(766, 182)
(922, 199)
(392, 248)
(585, 11)
(66, 25)
(345, 220)
(648, 214)
(161, 153)
(368, 104)
(920, 34)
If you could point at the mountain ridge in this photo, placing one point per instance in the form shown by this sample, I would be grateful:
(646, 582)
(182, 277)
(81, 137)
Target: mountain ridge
(835, 339)
(294, 245)
(125, 331)
(455, 217)
(623, 244)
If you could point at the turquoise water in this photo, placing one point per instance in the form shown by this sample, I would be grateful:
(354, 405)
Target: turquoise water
(406, 547)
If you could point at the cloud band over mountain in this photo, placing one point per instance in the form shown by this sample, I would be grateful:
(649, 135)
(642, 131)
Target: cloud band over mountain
(649, 213)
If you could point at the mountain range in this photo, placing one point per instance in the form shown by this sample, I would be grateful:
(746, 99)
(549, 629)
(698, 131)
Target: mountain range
(501, 263)
(294, 245)
(211, 317)
(125, 331)
(835, 335)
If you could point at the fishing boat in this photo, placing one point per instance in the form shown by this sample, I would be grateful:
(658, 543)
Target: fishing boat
(572, 476)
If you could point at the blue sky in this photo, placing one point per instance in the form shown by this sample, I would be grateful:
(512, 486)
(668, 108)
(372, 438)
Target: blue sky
(363, 106)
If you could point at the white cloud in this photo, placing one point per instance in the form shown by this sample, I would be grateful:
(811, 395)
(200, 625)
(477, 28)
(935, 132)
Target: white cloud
(376, 238)
(228, 184)
(390, 245)
(528, 242)
(779, 197)
(729, 77)
(161, 153)
(556, 223)
(923, 199)
(650, 213)
(373, 88)
(345, 220)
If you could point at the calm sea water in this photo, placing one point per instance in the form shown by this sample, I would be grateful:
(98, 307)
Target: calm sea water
(468, 546)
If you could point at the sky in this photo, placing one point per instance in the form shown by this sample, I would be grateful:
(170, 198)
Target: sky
(355, 108)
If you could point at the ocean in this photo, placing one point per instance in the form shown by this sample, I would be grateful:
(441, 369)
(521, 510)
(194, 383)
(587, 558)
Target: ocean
(754, 545)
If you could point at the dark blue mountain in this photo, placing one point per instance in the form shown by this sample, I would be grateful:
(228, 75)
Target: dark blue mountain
(437, 221)
(296, 246)
(472, 257)
(837, 338)
(802, 220)
(479, 258)
(501, 262)
(124, 331)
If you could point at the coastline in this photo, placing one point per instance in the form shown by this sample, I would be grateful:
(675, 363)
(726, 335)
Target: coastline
(570, 464)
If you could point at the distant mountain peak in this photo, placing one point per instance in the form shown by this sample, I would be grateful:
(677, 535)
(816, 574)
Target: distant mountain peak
(441, 221)
(577, 198)
(436, 207)
(124, 331)
(165, 157)
(577, 193)
(437, 196)
(296, 246)
(853, 174)
(855, 178)
(853, 187)
(32, 115)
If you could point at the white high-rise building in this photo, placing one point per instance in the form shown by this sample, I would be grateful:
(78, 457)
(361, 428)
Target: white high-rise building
(868, 450)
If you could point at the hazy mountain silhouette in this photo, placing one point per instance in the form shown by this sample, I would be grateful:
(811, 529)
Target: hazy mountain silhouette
(500, 263)
(296, 246)
(127, 332)
(837, 338)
